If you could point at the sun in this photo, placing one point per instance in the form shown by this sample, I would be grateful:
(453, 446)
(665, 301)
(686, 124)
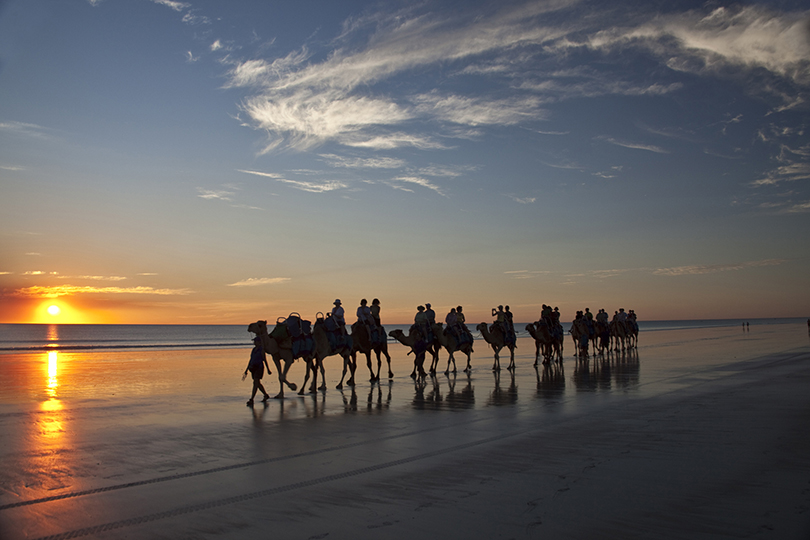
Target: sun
(54, 310)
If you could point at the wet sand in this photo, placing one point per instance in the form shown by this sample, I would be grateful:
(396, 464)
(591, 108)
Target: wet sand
(697, 434)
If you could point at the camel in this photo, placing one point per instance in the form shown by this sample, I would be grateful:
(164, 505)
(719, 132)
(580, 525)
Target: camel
(632, 333)
(619, 333)
(579, 333)
(603, 335)
(413, 337)
(543, 339)
(362, 343)
(451, 345)
(494, 336)
(278, 351)
(322, 350)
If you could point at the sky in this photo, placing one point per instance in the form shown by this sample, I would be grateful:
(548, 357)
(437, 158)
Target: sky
(220, 162)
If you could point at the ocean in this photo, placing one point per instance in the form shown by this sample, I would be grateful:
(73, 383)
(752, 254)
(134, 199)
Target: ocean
(38, 337)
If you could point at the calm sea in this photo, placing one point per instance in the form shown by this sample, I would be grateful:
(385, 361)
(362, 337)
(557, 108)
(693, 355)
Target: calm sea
(37, 337)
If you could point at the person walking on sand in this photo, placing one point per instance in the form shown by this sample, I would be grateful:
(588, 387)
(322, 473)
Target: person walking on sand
(256, 365)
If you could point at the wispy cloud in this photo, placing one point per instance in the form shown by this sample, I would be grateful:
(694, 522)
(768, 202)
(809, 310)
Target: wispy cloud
(255, 282)
(401, 181)
(523, 200)
(311, 187)
(215, 194)
(634, 145)
(363, 163)
(176, 6)
(95, 278)
(24, 129)
(70, 290)
(714, 268)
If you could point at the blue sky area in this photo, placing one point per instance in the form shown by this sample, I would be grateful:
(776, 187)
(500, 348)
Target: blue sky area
(223, 161)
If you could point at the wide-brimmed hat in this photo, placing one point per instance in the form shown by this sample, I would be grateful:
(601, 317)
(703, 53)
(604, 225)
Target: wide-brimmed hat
(337, 302)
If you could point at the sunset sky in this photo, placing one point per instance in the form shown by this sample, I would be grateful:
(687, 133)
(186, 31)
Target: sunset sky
(226, 161)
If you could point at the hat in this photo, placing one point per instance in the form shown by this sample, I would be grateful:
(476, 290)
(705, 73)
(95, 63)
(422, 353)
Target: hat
(337, 302)
(420, 308)
(427, 305)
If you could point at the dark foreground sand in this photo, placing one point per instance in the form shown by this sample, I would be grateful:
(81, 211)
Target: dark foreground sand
(700, 434)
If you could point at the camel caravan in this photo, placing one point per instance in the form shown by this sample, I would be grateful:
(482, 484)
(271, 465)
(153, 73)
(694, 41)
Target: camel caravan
(295, 338)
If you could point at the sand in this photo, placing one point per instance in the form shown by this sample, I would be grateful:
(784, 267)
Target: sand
(697, 434)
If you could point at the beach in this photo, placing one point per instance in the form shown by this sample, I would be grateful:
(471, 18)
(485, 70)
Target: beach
(699, 433)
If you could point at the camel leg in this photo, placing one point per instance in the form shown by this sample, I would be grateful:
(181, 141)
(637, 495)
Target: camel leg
(280, 373)
(352, 368)
(319, 367)
(291, 385)
(343, 375)
(511, 359)
(388, 359)
(370, 367)
(450, 358)
(496, 366)
(468, 369)
(306, 378)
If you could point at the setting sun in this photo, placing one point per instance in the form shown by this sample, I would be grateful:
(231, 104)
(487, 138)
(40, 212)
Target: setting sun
(54, 310)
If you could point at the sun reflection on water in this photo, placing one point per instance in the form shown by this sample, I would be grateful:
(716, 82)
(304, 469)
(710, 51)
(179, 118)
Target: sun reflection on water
(53, 382)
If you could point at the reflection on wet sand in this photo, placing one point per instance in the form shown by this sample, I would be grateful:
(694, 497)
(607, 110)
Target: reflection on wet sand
(550, 380)
(601, 372)
(503, 397)
(428, 394)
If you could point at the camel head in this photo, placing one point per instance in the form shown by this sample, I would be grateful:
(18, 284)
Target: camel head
(258, 328)
(482, 327)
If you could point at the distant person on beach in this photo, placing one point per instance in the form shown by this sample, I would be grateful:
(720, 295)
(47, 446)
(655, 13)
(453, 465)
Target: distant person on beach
(256, 365)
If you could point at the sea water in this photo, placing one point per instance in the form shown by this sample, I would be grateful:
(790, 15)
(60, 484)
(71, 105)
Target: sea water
(38, 337)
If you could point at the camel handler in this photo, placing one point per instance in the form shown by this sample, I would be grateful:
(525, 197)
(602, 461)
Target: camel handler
(338, 315)
(256, 365)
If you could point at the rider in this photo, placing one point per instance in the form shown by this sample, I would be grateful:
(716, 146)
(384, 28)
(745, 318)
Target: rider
(375, 312)
(452, 322)
(461, 322)
(422, 323)
(338, 316)
(430, 314)
(364, 316)
(510, 324)
(500, 319)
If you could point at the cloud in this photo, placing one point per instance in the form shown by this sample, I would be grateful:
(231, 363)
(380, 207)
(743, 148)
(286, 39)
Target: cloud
(24, 129)
(363, 163)
(714, 268)
(303, 105)
(254, 282)
(415, 180)
(734, 37)
(523, 200)
(633, 145)
(70, 290)
(176, 6)
(95, 278)
(210, 194)
(311, 187)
